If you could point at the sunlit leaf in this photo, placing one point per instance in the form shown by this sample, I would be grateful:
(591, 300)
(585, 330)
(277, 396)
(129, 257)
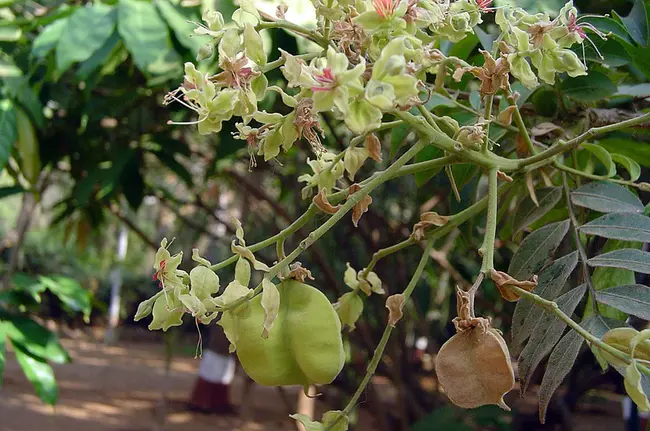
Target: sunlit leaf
(38, 372)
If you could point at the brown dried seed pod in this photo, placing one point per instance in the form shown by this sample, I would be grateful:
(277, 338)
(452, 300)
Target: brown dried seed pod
(474, 367)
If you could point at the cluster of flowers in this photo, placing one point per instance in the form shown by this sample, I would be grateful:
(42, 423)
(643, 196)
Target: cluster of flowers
(376, 62)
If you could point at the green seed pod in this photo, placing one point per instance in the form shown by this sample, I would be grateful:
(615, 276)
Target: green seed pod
(304, 346)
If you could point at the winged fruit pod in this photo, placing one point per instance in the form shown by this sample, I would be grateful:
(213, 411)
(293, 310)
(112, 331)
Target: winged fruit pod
(303, 347)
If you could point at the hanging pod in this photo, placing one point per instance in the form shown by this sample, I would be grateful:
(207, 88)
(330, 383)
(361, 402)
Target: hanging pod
(473, 366)
(304, 346)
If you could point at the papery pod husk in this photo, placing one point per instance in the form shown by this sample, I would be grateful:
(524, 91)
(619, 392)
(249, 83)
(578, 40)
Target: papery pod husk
(303, 347)
(474, 368)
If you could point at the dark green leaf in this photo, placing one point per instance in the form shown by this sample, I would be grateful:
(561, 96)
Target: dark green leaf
(628, 258)
(70, 292)
(604, 277)
(49, 37)
(397, 137)
(560, 362)
(463, 174)
(18, 89)
(546, 334)
(636, 22)
(146, 36)
(636, 150)
(10, 191)
(536, 250)
(550, 284)
(179, 21)
(608, 25)
(36, 339)
(528, 212)
(428, 153)
(465, 47)
(38, 372)
(87, 30)
(630, 165)
(8, 133)
(99, 57)
(590, 88)
(603, 156)
(624, 226)
(606, 197)
(632, 299)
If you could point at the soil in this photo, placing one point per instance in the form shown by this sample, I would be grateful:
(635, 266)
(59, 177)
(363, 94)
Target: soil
(125, 388)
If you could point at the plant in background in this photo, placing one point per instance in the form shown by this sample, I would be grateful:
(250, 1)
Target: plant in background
(381, 66)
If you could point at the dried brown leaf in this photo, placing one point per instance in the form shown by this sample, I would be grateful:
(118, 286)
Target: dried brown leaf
(428, 219)
(373, 145)
(546, 128)
(395, 304)
(323, 204)
(299, 273)
(503, 176)
(502, 280)
(361, 207)
(505, 116)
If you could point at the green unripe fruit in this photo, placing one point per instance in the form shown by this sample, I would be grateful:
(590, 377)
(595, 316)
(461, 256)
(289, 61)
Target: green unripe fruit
(304, 346)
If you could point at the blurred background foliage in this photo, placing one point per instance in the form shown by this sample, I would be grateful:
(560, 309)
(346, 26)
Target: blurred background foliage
(89, 163)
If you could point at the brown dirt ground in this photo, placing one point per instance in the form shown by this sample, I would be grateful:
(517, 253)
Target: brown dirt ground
(120, 388)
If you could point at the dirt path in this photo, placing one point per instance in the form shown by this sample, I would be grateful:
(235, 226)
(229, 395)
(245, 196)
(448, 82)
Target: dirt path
(119, 388)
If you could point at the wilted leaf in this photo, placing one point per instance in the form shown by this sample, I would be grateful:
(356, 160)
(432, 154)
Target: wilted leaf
(426, 220)
(624, 226)
(627, 258)
(550, 283)
(394, 303)
(606, 197)
(634, 388)
(502, 280)
(536, 250)
(297, 272)
(320, 200)
(361, 207)
(632, 299)
(373, 145)
(546, 334)
(528, 212)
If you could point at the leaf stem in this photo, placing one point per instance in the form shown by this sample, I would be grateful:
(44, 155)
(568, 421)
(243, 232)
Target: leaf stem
(555, 309)
(488, 113)
(295, 28)
(519, 121)
(491, 224)
(379, 351)
(564, 146)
